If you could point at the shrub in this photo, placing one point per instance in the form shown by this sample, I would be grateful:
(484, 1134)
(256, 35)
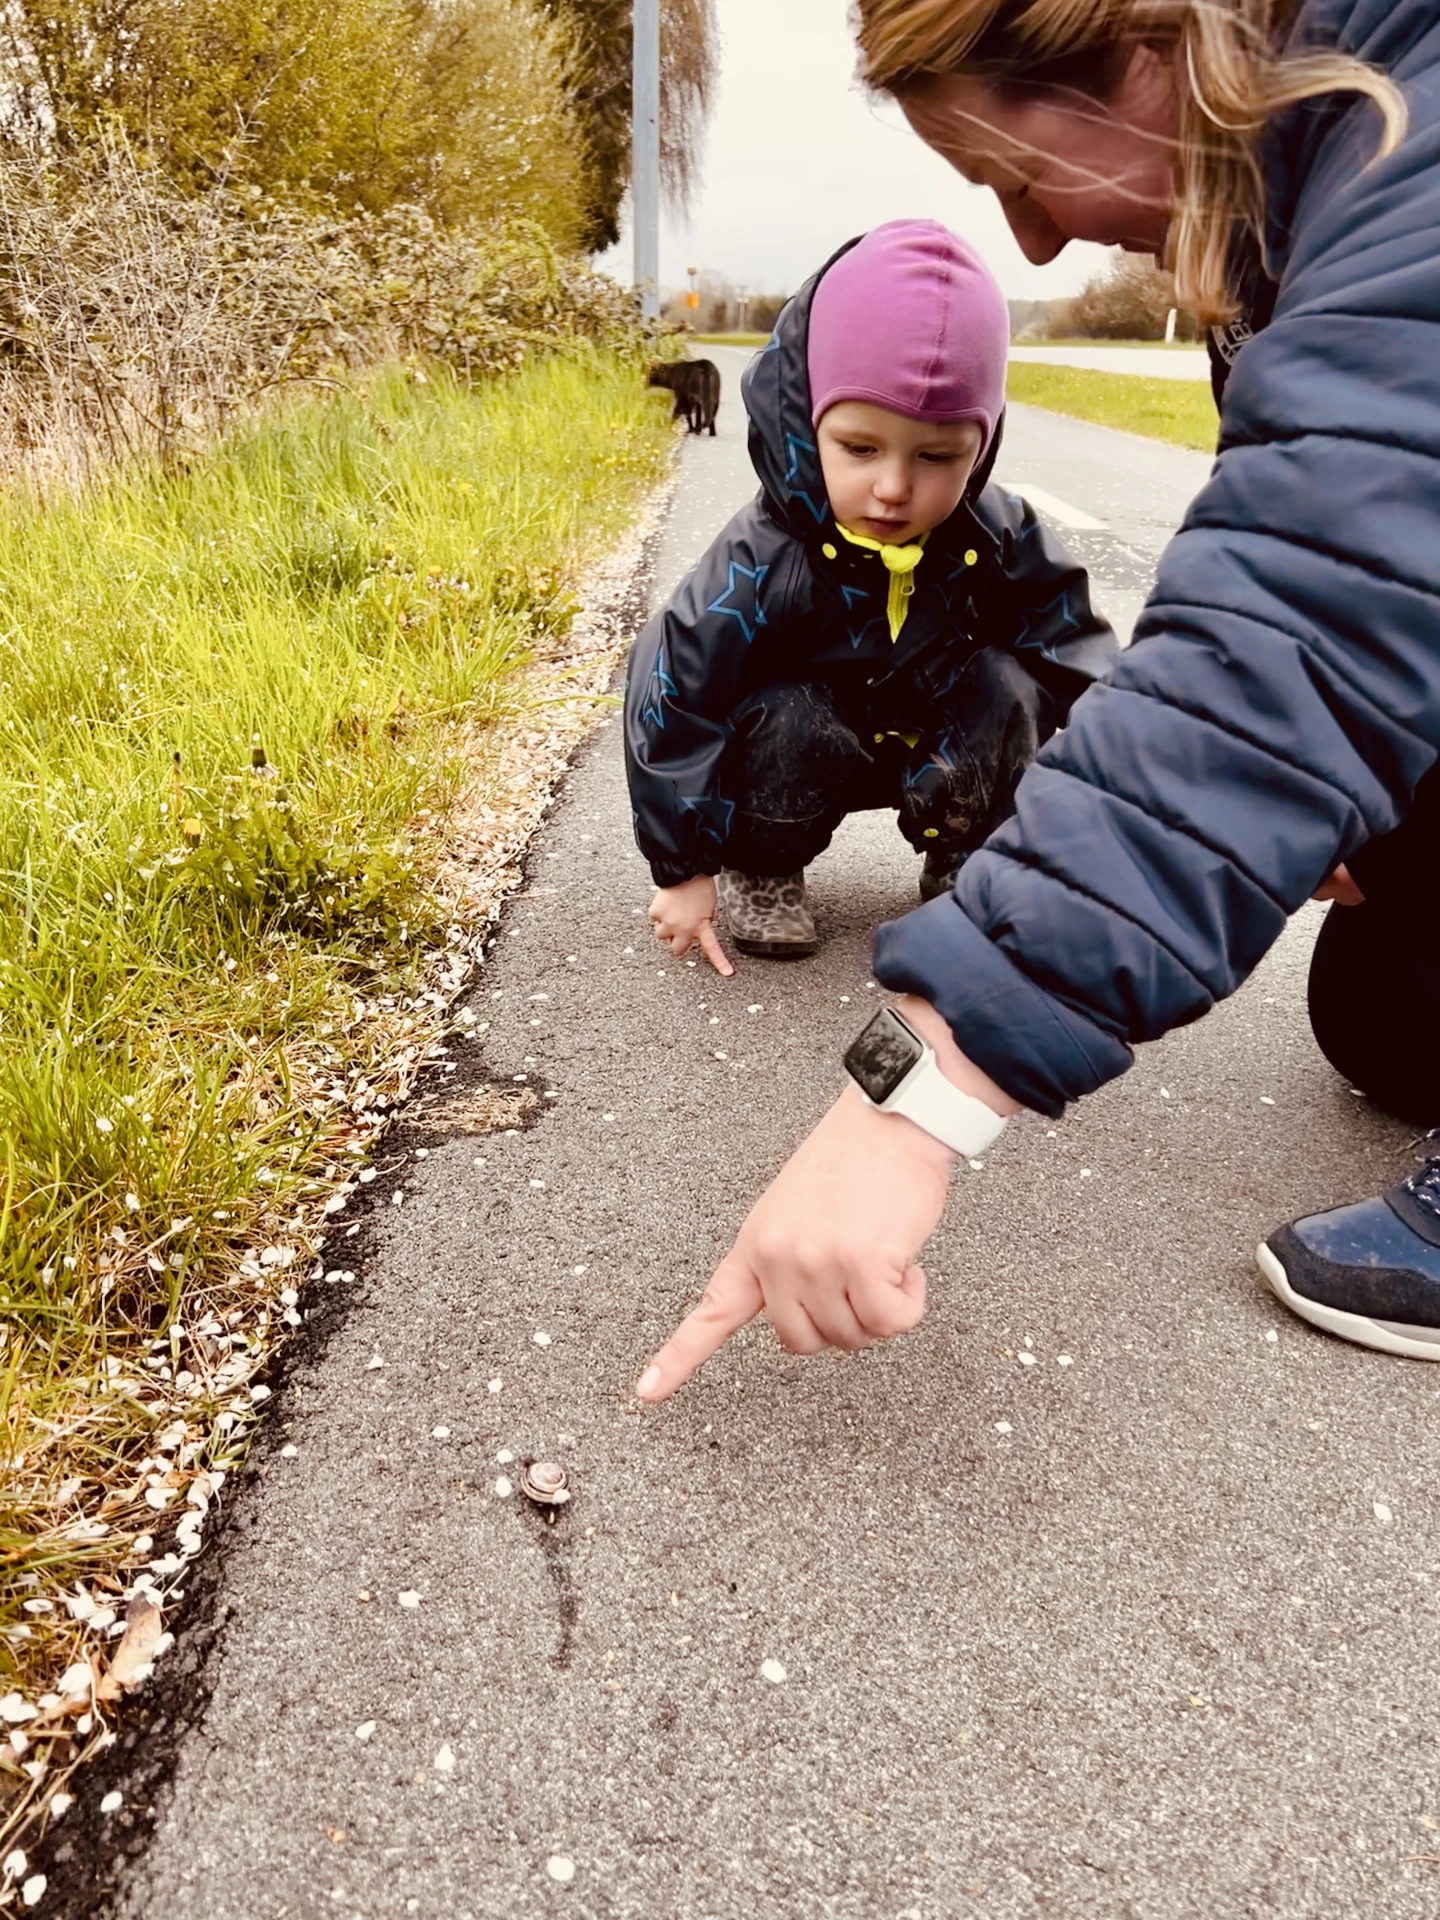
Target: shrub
(137, 319)
(1130, 300)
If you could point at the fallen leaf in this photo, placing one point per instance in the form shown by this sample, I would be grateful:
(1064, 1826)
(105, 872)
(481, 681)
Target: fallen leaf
(135, 1655)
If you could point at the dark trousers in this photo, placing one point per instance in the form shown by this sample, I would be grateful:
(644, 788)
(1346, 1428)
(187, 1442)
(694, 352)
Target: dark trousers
(799, 761)
(1375, 975)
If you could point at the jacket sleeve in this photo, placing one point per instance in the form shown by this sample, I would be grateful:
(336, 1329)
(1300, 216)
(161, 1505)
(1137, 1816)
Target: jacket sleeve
(1037, 604)
(1281, 700)
(682, 685)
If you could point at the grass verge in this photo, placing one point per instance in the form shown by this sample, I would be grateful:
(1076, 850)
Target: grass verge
(238, 708)
(1180, 411)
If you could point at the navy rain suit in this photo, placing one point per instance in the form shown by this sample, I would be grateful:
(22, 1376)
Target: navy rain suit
(1281, 703)
(780, 634)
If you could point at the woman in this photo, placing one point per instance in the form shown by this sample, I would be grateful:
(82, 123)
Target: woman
(1273, 730)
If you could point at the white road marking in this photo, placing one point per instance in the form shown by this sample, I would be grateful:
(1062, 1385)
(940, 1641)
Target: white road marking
(1060, 510)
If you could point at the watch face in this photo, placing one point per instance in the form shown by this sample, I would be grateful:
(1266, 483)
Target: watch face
(880, 1057)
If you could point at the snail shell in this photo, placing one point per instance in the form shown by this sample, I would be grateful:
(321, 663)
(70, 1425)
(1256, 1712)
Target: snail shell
(546, 1483)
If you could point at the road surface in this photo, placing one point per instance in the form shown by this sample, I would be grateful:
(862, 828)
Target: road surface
(1144, 1629)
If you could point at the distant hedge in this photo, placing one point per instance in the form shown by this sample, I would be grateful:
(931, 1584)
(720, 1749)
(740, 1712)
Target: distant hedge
(135, 318)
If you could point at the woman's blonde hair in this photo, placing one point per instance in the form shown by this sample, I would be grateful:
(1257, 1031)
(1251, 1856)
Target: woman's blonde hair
(1229, 61)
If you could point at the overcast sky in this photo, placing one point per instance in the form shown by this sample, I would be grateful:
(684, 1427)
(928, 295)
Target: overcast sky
(798, 160)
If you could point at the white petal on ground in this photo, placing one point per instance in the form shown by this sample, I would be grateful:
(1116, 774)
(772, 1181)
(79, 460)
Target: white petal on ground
(1003, 1426)
(373, 1362)
(409, 1598)
(504, 1457)
(503, 1488)
(772, 1671)
(444, 1761)
(560, 1868)
(33, 1891)
(365, 1729)
(112, 1802)
(1026, 1359)
(289, 1453)
(15, 1864)
(541, 1339)
(439, 1433)
(495, 1385)
(1383, 1513)
(60, 1803)
(1064, 1360)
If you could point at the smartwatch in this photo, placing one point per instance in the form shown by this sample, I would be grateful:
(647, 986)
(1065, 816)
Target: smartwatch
(897, 1072)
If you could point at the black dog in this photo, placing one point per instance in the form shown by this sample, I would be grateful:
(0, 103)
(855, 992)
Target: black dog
(696, 387)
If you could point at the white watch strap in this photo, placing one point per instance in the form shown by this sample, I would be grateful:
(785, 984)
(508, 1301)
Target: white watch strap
(958, 1119)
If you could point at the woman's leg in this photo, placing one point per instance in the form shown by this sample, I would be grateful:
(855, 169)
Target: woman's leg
(1375, 974)
(1375, 999)
(1371, 1272)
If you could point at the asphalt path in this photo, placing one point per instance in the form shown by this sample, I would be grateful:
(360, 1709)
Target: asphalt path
(1152, 363)
(1146, 1628)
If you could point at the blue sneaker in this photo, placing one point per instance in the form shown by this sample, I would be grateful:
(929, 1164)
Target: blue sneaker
(1371, 1272)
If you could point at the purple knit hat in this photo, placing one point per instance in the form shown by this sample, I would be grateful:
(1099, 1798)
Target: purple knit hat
(911, 319)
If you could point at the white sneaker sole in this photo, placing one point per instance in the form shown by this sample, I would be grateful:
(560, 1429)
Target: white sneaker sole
(1385, 1336)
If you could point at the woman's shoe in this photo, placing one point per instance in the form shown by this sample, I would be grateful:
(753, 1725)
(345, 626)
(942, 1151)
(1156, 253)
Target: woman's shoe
(1371, 1272)
(768, 917)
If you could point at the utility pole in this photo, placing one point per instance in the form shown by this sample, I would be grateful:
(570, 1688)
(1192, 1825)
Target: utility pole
(645, 155)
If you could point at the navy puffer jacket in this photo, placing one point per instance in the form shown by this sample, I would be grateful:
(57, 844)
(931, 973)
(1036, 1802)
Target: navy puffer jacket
(780, 596)
(1281, 701)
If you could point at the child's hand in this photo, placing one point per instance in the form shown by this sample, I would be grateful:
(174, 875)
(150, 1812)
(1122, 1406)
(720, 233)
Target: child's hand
(684, 917)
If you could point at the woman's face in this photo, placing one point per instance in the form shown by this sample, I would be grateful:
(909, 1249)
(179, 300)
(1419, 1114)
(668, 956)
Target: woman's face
(1063, 166)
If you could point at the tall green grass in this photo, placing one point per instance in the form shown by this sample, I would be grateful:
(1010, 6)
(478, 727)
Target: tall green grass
(231, 709)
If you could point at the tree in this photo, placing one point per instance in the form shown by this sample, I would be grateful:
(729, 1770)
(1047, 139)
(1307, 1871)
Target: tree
(1129, 300)
(459, 106)
(688, 60)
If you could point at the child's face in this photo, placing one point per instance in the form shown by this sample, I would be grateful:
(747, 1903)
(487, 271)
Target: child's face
(891, 477)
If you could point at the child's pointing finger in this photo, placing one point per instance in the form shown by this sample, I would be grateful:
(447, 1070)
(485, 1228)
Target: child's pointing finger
(713, 951)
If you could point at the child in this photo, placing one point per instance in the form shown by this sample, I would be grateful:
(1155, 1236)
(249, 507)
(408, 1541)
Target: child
(879, 628)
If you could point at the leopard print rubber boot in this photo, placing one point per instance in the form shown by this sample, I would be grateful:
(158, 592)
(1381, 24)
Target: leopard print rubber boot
(768, 917)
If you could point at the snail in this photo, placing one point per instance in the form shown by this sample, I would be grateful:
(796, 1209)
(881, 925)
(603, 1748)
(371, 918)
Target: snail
(546, 1483)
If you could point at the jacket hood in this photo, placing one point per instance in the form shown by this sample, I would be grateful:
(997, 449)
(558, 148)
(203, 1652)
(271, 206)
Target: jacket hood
(1394, 35)
(776, 391)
